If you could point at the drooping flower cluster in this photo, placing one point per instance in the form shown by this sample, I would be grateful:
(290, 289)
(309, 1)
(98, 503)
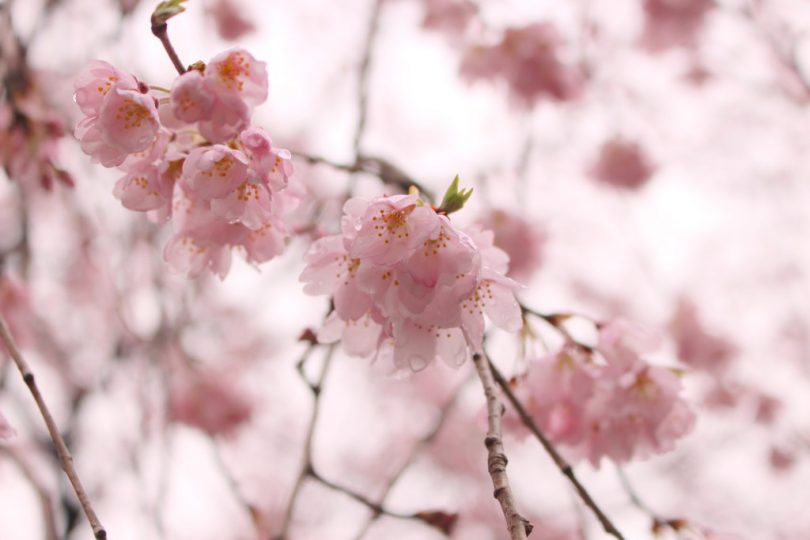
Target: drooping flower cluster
(621, 409)
(527, 59)
(194, 156)
(407, 283)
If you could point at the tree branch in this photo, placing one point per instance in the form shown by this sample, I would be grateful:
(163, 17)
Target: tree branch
(519, 527)
(559, 461)
(65, 459)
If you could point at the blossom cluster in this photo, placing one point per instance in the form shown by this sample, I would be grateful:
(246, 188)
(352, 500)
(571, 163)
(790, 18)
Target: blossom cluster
(408, 284)
(30, 131)
(621, 408)
(192, 155)
(528, 60)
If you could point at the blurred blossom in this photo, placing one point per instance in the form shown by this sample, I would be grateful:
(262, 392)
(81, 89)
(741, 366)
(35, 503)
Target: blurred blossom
(697, 347)
(528, 60)
(781, 458)
(209, 400)
(6, 431)
(451, 17)
(673, 23)
(622, 164)
(521, 239)
(620, 410)
(230, 18)
(30, 131)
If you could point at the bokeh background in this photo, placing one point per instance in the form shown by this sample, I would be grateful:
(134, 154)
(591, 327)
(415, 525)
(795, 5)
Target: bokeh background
(657, 148)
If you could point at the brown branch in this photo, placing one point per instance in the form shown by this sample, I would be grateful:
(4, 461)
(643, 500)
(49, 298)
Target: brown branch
(65, 459)
(362, 82)
(387, 172)
(161, 31)
(420, 445)
(658, 522)
(557, 320)
(564, 467)
(306, 464)
(519, 527)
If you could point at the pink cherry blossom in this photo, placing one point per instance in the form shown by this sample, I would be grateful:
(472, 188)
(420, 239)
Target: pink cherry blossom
(127, 122)
(191, 99)
(96, 81)
(149, 188)
(235, 75)
(408, 285)
(214, 171)
(622, 164)
(621, 410)
(522, 240)
(527, 59)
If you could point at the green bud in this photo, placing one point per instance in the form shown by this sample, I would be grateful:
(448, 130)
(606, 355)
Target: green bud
(454, 199)
(166, 10)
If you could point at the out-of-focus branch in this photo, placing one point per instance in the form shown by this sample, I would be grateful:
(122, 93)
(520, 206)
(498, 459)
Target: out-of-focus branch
(306, 464)
(62, 451)
(559, 461)
(557, 321)
(519, 527)
(420, 445)
(363, 73)
(383, 169)
(45, 500)
(658, 522)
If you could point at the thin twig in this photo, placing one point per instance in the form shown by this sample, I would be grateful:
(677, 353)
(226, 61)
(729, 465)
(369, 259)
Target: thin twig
(559, 461)
(365, 68)
(62, 451)
(420, 445)
(658, 522)
(161, 31)
(383, 169)
(306, 464)
(518, 526)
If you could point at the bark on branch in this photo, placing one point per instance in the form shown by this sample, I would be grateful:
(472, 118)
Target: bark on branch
(518, 526)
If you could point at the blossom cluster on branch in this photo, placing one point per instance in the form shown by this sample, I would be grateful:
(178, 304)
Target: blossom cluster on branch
(608, 401)
(410, 285)
(193, 156)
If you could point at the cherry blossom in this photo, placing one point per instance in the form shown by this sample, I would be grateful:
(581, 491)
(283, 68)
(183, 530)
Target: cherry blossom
(226, 185)
(408, 284)
(622, 409)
